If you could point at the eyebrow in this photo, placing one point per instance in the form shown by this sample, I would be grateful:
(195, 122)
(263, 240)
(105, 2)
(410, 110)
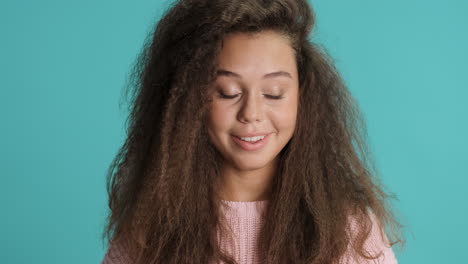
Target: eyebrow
(222, 72)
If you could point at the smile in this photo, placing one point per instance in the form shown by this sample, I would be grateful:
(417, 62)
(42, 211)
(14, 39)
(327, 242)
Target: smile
(251, 143)
(252, 139)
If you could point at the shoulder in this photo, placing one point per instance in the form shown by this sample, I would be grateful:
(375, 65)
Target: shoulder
(376, 244)
(116, 254)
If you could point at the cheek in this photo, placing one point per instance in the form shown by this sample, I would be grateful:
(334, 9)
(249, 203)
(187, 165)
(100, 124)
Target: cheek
(285, 118)
(285, 121)
(219, 118)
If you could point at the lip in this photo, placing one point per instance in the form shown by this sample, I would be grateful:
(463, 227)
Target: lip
(252, 146)
(254, 134)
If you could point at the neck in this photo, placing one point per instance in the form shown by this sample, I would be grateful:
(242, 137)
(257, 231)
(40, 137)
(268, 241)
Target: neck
(251, 185)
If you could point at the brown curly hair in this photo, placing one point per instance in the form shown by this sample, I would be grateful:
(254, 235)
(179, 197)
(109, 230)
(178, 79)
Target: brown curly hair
(163, 207)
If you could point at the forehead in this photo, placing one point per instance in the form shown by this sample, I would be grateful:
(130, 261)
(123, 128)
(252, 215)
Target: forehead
(257, 54)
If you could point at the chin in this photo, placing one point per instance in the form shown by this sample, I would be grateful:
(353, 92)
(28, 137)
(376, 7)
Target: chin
(250, 164)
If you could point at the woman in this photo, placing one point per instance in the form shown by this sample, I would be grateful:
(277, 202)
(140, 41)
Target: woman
(244, 146)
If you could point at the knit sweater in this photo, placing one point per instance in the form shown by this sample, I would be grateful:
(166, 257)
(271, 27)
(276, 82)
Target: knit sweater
(245, 220)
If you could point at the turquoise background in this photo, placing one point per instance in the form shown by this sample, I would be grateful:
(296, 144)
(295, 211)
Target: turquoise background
(64, 65)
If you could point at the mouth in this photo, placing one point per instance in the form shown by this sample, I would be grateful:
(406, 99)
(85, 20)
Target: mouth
(251, 143)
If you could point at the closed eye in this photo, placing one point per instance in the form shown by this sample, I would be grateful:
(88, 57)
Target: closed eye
(227, 96)
(274, 97)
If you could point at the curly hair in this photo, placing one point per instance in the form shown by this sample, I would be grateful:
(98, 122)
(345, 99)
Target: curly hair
(163, 207)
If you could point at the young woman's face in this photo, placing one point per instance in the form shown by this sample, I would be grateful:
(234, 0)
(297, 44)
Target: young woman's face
(255, 94)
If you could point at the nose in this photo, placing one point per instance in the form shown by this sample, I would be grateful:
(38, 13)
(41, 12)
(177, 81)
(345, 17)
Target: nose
(251, 109)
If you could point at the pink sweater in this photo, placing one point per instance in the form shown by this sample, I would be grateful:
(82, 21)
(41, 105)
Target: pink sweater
(245, 219)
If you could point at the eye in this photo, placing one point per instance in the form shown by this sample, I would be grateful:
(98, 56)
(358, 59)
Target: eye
(275, 97)
(227, 96)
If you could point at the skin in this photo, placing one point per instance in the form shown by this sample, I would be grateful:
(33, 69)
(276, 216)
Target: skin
(247, 175)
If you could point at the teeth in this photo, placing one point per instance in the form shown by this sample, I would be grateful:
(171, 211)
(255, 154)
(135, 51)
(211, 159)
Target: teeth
(252, 139)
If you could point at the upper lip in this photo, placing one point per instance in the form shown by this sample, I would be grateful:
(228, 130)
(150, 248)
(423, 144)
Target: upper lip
(254, 134)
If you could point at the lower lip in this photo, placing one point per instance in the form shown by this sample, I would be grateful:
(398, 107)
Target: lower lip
(251, 146)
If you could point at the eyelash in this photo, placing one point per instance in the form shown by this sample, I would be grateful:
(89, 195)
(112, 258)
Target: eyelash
(274, 97)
